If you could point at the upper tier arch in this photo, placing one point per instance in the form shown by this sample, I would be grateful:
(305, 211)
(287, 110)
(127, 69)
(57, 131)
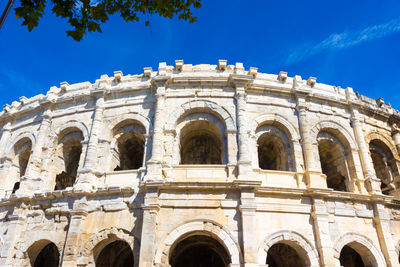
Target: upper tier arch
(201, 106)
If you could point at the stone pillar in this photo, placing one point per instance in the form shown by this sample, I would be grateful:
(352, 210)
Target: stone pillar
(154, 167)
(16, 225)
(372, 183)
(396, 139)
(5, 138)
(76, 221)
(149, 228)
(4, 159)
(324, 244)
(249, 226)
(384, 231)
(314, 178)
(396, 134)
(87, 177)
(240, 81)
(33, 181)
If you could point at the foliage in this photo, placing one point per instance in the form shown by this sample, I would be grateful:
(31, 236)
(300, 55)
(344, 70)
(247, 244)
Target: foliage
(86, 15)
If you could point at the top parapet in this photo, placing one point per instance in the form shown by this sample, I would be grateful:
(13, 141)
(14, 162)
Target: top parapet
(221, 74)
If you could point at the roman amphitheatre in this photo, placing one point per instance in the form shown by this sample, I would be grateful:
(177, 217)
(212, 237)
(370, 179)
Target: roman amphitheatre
(200, 165)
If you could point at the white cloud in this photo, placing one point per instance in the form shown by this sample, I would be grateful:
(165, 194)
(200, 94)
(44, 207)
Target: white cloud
(345, 39)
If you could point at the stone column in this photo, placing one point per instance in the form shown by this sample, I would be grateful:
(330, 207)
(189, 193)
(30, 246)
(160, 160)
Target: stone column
(382, 223)
(76, 221)
(232, 153)
(314, 178)
(16, 225)
(154, 167)
(149, 228)
(244, 162)
(320, 218)
(372, 183)
(4, 159)
(34, 181)
(87, 177)
(396, 135)
(249, 226)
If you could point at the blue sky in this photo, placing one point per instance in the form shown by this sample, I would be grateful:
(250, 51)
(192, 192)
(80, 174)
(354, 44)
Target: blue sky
(342, 43)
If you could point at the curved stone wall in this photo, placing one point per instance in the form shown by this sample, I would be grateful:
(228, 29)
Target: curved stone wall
(155, 160)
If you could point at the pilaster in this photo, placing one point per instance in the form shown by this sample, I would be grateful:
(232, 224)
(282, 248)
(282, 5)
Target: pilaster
(88, 175)
(249, 225)
(149, 228)
(240, 81)
(33, 181)
(154, 165)
(314, 177)
(16, 225)
(372, 183)
(4, 160)
(76, 221)
(320, 218)
(384, 232)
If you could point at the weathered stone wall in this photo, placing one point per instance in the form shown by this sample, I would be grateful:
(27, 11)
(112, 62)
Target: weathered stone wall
(260, 192)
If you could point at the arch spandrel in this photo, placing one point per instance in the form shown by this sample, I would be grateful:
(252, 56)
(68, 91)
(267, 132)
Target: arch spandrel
(291, 238)
(200, 106)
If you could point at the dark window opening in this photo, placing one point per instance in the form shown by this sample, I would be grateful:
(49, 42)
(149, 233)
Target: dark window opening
(384, 165)
(72, 152)
(131, 152)
(272, 153)
(115, 254)
(283, 255)
(48, 257)
(333, 164)
(350, 258)
(16, 187)
(199, 250)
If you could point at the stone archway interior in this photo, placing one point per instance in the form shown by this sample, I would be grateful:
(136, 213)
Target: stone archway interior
(131, 151)
(48, 256)
(115, 254)
(201, 143)
(384, 165)
(350, 258)
(199, 251)
(272, 154)
(283, 255)
(333, 164)
(71, 153)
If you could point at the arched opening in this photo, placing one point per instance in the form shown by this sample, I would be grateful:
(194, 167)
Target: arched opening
(272, 153)
(333, 161)
(44, 254)
(69, 153)
(115, 254)
(201, 143)
(350, 258)
(283, 255)
(131, 150)
(384, 165)
(22, 152)
(129, 147)
(199, 250)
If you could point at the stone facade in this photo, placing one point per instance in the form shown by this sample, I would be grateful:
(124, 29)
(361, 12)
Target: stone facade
(200, 163)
